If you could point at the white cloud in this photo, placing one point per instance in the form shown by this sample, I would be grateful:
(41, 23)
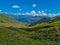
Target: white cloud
(34, 5)
(33, 13)
(27, 13)
(43, 13)
(58, 13)
(15, 6)
(52, 14)
(39, 12)
(0, 10)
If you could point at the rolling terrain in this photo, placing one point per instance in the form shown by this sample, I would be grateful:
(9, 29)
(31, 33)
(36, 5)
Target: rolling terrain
(13, 32)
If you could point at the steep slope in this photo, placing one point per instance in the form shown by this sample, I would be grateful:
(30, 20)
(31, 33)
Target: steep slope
(7, 21)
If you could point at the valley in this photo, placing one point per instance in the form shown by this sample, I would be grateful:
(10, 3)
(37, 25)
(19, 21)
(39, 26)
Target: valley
(43, 32)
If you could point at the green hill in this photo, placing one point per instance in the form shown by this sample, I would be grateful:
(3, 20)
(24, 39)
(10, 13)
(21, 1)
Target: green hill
(7, 21)
(13, 32)
(50, 32)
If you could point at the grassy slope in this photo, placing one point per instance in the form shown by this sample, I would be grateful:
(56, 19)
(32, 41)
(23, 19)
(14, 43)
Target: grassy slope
(6, 21)
(11, 34)
(50, 32)
(15, 33)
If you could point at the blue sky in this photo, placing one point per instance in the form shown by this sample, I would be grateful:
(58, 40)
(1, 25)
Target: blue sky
(34, 6)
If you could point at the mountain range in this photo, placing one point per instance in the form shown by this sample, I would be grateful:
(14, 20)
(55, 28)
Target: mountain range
(28, 19)
(45, 31)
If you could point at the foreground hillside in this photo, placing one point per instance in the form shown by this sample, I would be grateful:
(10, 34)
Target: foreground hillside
(7, 22)
(13, 32)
